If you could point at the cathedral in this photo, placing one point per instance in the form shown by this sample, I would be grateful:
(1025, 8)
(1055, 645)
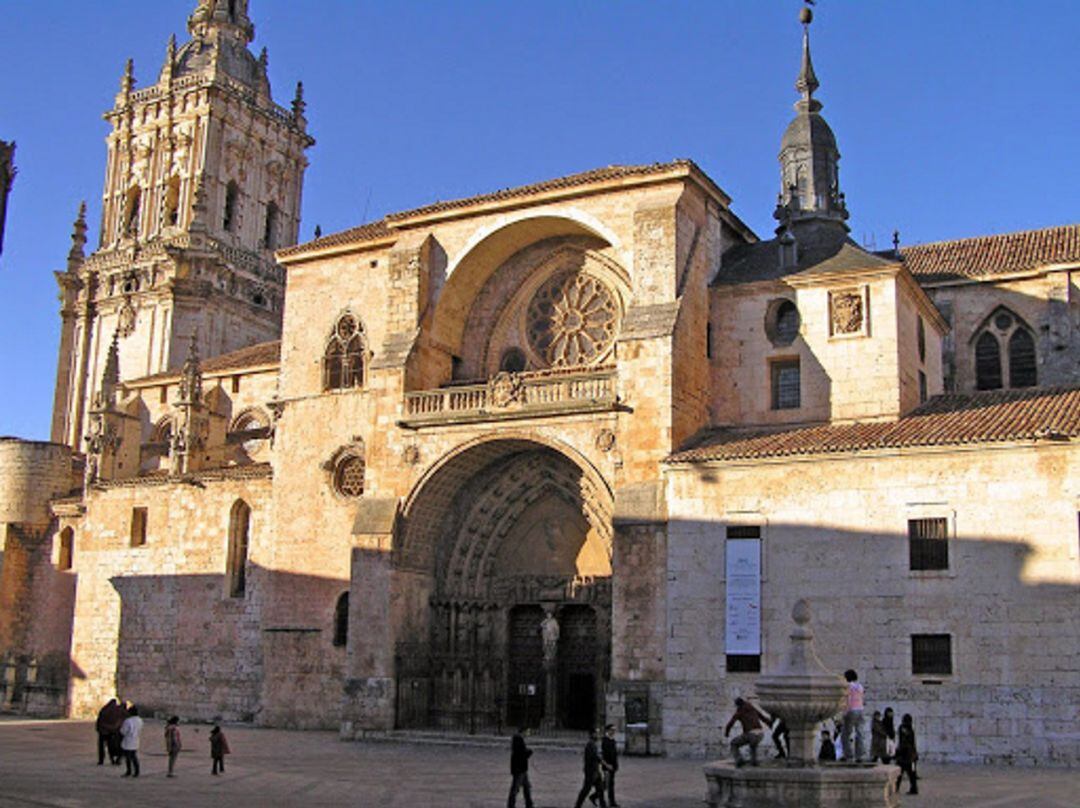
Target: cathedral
(557, 456)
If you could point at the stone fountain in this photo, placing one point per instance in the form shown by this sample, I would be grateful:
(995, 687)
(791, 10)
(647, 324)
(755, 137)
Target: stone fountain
(803, 694)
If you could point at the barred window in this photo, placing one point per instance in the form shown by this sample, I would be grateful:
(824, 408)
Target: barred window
(343, 361)
(786, 385)
(928, 543)
(1022, 359)
(931, 654)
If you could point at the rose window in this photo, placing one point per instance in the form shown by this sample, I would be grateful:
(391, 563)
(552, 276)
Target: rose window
(349, 476)
(571, 320)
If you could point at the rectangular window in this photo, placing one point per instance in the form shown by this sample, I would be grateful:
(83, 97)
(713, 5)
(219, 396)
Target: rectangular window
(164, 397)
(744, 531)
(744, 663)
(236, 384)
(931, 654)
(922, 386)
(928, 543)
(138, 527)
(786, 385)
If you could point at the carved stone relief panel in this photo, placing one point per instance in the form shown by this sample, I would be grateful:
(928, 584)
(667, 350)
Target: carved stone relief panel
(848, 312)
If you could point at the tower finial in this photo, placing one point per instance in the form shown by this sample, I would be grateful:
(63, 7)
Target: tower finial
(298, 104)
(127, 81)
(77, 254)
(807, 82)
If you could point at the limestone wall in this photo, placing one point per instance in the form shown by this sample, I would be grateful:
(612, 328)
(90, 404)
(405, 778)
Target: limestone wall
(835, 531)
(156, 623)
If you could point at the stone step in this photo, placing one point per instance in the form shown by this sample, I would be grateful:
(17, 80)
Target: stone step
(571, 741)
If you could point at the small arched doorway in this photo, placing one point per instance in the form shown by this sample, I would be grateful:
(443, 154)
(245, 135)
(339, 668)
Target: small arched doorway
(512, 539)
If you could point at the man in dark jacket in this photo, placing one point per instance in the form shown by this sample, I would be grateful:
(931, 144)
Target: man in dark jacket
(609, 751)
(109, 720)
(594, 773)
(519, 769)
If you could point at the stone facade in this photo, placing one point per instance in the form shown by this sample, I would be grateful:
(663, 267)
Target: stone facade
(535, 408)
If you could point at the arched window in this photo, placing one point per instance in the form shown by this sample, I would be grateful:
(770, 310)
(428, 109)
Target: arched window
(130, 226)
(1022, 372)
(513, 361)
(341, 620)
(920, 337)
(236, 564)
(987, 362)
(270, 229)
(67, 549)
(228, 219)
(343, 361)
(170, 214)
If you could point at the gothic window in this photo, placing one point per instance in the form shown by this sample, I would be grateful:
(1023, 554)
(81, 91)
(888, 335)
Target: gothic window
(341, 620)
(987, 362)
(229, 218)
(236, 562)
(270, 229)
(786, 384)
(1022, 359)
(67, 549)
(171, 211)
(1016, 365)
(131, 212)
(250, 430)
(571, 320)
(513, 361)
(343, 360)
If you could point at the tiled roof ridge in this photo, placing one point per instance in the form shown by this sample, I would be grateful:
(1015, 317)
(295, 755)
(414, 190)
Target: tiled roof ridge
(995, 254)
(381, 228)
(261, 353)
(945, 420)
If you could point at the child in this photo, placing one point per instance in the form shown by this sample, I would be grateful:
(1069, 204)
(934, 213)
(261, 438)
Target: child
(172, 742)
(827, 752)
(219, 748)
(907, 754)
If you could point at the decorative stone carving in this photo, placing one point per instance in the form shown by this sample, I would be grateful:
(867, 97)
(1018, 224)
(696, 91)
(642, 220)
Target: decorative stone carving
(505, 389)
(605, 440)
(549, 632)
(846, 311)
(126, 319)
(411, 454)
(571, 320)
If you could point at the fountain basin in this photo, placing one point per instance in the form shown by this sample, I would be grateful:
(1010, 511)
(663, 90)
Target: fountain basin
(825, 786)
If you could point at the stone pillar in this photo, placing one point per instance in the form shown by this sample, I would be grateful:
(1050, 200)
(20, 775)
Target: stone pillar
(549, 631)
(368, 701)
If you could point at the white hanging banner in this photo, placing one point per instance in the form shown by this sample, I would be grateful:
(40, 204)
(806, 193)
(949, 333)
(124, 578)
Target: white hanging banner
(742, 622)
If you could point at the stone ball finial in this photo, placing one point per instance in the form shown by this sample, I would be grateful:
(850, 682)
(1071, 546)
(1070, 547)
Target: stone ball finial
(806, 16)
(800, 613)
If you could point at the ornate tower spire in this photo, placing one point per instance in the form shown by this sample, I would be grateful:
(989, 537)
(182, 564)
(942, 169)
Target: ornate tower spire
(223, 15)
(809, 174)
(77, 254)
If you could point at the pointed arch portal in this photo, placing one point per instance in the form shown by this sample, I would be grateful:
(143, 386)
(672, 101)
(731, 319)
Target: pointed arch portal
(510, 537)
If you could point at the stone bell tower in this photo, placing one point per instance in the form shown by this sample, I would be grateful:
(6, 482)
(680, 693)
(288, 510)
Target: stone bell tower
(203, 181)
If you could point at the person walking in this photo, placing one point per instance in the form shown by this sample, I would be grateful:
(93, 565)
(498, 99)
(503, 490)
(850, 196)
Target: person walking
(594, 773)
(853, 718)
(752, 731)
(219, 748)
(609, 751)
(519, 769)
(907, 754)
(890, 734)
(130, 731)
(877, 738)
(172, 742)
(109, 720)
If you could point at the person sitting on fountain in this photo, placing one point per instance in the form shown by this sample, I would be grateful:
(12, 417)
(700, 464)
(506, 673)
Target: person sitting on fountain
(752, 731)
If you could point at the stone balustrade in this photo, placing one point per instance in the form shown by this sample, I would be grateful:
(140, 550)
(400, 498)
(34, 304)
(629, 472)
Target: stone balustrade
(514, 395)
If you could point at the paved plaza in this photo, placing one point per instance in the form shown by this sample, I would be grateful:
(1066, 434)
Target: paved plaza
(53, 763)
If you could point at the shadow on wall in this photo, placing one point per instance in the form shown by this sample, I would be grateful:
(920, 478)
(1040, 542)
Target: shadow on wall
(188, 645)
(981, 651)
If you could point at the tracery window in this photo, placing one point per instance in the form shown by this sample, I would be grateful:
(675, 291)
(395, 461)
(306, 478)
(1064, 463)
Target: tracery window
(343, 360)
(1017, 363)
(571, 320)
(349, 476)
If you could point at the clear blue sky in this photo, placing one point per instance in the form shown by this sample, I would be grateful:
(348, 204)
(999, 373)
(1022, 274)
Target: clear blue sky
(953, 118)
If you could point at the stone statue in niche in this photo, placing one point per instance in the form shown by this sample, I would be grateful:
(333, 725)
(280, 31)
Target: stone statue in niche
(847, 312)
(549, 632)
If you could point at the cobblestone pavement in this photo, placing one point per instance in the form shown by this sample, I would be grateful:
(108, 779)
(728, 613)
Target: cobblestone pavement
(53, 763)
